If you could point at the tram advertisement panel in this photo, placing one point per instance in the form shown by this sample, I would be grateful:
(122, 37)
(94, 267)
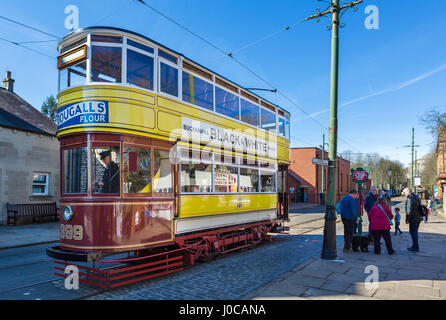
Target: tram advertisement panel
(204, 132)
(82, 113)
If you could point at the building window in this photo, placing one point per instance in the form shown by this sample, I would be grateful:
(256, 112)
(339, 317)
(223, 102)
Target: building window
(40, 183)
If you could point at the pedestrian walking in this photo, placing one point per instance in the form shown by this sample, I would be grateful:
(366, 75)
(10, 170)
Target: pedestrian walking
(380, 221)
(370, 201)
(397, 221)
(413, 217)
(348, 215)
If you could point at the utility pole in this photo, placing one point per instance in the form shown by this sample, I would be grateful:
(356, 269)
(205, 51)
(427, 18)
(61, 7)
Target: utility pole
(333, 9)
(411, 166)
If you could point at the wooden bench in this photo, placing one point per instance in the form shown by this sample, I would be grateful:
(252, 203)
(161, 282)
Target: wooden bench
(36, 211)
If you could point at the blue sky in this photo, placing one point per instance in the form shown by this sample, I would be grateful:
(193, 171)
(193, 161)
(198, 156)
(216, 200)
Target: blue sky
(387, 79)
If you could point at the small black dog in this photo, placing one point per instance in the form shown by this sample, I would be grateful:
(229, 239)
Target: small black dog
(361, 242)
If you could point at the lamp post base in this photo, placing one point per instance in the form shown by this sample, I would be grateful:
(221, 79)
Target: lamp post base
(329, 243)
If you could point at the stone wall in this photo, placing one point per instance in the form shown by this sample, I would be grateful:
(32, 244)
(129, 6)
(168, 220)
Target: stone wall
(21, 154)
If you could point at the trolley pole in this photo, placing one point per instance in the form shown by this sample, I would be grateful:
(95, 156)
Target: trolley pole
(329, 242)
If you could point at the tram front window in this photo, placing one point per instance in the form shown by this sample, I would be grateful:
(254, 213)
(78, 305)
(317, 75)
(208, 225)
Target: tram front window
(106, 63)
(105, 169)
(75, 170)
(73, 76)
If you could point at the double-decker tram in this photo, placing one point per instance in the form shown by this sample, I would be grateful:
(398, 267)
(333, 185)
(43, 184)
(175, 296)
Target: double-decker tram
(163, 162)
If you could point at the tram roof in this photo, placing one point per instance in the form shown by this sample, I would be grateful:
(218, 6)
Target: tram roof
(82, 30)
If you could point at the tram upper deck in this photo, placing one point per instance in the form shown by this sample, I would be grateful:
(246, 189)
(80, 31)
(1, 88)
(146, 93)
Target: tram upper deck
(117, 81)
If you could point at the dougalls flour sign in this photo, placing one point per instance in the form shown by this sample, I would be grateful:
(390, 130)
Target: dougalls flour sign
(84, 112)
(207, 133)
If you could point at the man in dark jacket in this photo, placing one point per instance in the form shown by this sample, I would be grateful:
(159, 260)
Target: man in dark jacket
(413, 217)
(349, 215)
(370, 201)
(110, 178)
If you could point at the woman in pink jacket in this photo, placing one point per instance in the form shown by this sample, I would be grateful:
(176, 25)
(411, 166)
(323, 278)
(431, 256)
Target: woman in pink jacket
(380, 219)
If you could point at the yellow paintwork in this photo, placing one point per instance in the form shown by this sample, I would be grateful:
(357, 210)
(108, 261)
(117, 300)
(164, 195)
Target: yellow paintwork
(203, 205)
(140, 112)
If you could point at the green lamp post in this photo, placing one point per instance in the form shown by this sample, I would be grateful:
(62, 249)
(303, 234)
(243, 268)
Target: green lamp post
(359, 176)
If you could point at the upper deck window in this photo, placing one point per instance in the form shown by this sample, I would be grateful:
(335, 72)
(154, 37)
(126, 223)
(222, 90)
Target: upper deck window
(140, 69)
(226, 103)
(168, 79)
(287, 127)
(268, 120)
(106, 64)
(197, 91)
(282, 130)
(250, 112)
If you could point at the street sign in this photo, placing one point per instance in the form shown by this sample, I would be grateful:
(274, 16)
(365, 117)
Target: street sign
(320, 162)
(359, 175)
(417, 181)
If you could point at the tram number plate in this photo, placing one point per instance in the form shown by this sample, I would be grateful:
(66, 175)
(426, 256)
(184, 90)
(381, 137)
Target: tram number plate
(67, 231)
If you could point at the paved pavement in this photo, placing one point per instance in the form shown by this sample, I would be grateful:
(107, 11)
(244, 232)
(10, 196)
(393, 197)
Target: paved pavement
(405, 275)
(28, 234)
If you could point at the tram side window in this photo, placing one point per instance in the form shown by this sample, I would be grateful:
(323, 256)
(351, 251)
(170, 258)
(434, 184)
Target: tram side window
(225, 178)
(140, 69)
(168, 79)
(249, 180)
(105, 170)
(268, 120)
(197, 91)
(287, 128)
(250, 113)
(196, 177)
(268, 181)
(282, 127)
(162, 172)
(73, 76)
(226, 103)
(106, 64)
(75, 170)
(137, 170)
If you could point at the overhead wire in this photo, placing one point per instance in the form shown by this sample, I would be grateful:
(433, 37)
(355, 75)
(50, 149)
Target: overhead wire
(29, 27)
(244, 66)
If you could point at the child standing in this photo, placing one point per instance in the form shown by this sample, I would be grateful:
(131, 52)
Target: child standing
(397, 221)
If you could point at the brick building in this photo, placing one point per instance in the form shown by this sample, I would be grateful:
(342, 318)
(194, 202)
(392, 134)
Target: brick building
(305, 178)
(29, 152)
(441, 170)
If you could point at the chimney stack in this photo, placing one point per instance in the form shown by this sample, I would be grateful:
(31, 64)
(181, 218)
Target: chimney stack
(8, 82)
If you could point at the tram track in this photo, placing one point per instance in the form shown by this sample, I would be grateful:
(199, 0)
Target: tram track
(96, 291)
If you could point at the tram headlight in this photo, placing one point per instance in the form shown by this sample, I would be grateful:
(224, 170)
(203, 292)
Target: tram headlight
(68, 213)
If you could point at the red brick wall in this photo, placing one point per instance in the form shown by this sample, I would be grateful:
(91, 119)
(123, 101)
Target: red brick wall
(301, 163)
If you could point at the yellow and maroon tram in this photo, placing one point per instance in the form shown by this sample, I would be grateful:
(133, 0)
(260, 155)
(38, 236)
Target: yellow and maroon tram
(160, 158)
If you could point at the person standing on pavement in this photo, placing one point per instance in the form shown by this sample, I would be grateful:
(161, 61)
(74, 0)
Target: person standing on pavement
(370, 201)
(413, 217)
(380, 219)
(397, 221)
(348, 215)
